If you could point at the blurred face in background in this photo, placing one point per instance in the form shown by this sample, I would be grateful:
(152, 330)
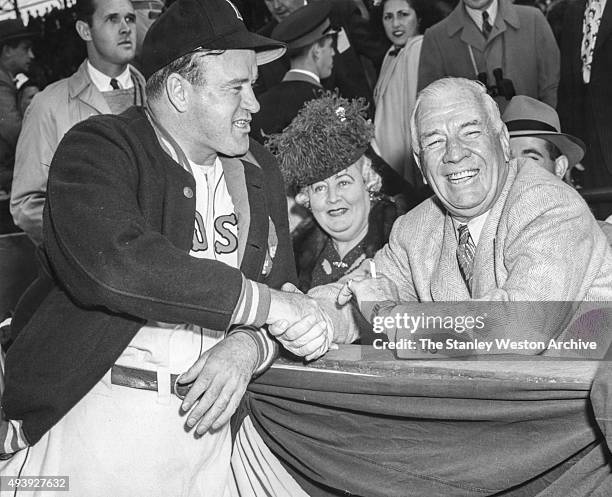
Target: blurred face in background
(324, 57)
(400, 21)
(18, 58)
(282, 8)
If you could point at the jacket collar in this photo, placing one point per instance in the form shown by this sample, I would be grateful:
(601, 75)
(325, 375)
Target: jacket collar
(459, 20)
(81, 86)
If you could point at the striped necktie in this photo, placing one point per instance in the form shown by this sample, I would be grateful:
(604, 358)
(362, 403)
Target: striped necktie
(465, 255)
(486, 25)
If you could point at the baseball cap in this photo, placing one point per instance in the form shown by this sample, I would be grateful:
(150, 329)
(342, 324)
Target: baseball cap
(188, 25)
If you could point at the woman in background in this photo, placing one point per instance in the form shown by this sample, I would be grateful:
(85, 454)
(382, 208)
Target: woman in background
(396, 89)
(322, 156)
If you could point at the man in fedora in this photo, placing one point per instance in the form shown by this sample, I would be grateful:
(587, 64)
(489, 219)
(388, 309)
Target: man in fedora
(166, 234)
(15, 57)
(535, 133)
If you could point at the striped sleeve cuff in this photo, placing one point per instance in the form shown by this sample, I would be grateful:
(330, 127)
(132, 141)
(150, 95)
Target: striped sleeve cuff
(267, 348)
(253, 304)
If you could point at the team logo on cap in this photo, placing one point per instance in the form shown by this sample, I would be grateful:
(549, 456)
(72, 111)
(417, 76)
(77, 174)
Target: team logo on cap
(235, 10)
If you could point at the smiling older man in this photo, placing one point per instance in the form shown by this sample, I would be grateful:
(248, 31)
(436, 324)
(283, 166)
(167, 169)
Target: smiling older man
(497, 229)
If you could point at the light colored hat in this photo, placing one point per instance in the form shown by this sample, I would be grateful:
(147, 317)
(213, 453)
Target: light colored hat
(526, 116)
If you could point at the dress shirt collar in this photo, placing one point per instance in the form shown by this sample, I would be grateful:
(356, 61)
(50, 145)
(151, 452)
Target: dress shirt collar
(102, 81)
(476, 15)
(475, 226)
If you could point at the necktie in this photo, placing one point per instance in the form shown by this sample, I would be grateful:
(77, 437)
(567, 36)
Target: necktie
(465, 255)
(590, 26)
(486, 25)
(114, 84)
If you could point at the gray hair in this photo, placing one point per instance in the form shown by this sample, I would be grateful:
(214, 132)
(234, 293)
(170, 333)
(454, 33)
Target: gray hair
(371, 179)
(440, 90)
(189, 66)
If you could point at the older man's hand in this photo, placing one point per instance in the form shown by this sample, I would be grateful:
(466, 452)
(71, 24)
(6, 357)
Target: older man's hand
(367, 291)
(298, 323)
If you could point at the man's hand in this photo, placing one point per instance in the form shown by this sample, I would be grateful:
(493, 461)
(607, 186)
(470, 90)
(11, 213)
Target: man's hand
(298, 323)
(220, 377)
(367, 290)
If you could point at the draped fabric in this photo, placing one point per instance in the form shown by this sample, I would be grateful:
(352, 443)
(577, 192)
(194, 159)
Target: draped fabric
(382, 427)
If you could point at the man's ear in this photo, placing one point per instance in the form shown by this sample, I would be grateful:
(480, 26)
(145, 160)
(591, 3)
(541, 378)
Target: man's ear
(315, 52)
(82, 28)
(561, 165)
(177, 92)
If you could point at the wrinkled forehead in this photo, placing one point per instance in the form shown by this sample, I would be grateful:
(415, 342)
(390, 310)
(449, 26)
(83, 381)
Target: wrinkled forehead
(447, 108)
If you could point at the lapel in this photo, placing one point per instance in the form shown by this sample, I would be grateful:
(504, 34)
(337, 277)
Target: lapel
(459, 20)
(82, 88)
(605, 27)
(257, 240)
(484, 275)
(506, 16)
(447, 284)
(471, 35)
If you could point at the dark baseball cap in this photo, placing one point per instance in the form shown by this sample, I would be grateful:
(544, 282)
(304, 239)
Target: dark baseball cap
(209, 24)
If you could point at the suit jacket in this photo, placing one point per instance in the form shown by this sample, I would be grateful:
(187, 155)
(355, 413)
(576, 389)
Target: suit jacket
(281, 103)
(521, 44)
(585, 110)
(50, 115)
(540, 243)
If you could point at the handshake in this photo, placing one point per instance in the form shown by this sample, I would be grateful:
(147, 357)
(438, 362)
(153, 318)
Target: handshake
(304, 327)
(299, 323)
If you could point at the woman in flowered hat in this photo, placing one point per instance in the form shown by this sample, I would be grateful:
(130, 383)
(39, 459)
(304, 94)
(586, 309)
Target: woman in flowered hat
(322, 156)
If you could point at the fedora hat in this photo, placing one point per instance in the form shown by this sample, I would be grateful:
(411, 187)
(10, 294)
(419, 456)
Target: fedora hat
(13, 29)
(526, 116)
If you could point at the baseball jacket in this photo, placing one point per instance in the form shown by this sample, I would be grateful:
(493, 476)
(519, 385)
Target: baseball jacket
(119, 225)
(50, 115)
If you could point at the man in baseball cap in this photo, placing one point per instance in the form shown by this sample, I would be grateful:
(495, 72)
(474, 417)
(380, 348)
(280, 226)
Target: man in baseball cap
(535, 132)
(166, 243)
